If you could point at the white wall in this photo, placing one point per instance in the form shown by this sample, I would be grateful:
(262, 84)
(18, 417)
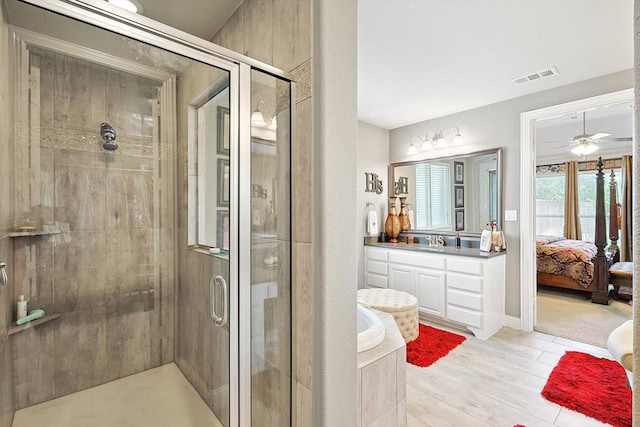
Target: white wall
(334, 202)
(498, 125)
(373, 157)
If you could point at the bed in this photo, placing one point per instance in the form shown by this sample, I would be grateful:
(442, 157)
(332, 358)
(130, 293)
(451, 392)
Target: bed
(565, 263)
(575, 264)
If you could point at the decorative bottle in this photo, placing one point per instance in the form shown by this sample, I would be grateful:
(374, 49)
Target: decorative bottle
(21, 308)
(405, 222)
(392, 224)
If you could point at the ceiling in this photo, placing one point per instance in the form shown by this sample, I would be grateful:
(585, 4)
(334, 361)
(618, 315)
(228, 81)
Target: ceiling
(202, 18)
(418, 60)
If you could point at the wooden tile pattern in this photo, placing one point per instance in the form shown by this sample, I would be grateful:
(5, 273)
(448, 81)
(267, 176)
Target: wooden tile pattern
(109, 272)
(7, 403)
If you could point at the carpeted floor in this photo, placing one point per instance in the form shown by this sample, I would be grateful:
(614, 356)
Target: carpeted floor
(568, 314)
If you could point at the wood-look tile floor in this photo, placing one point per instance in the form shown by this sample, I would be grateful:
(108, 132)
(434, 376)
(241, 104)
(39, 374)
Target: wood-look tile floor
(493, 383)
(158, 397)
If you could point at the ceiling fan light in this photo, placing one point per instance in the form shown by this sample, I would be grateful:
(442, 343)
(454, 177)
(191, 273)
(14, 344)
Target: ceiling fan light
(584, 149)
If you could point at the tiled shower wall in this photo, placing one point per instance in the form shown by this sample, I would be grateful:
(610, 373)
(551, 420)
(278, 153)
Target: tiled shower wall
(108, 267)
(278, 32)
(6, 249)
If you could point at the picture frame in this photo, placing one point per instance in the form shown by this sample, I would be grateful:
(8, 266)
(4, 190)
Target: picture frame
(459, 219)
(223, 131)
(222, 195)
(222, 230)
(458, 173)
(459, 196)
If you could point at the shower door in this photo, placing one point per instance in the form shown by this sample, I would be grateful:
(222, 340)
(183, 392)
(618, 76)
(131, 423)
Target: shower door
(169, 212)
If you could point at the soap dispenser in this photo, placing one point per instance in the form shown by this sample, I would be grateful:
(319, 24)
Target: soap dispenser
(21, 308)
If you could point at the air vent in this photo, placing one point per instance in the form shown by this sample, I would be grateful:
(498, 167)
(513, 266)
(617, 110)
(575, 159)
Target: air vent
(535, 76)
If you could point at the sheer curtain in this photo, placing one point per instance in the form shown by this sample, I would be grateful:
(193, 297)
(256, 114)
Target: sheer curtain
(571, 209)
(626, 228)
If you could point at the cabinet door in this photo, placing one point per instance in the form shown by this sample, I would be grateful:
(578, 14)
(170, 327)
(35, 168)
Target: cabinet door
(430, 291)
(401, 278)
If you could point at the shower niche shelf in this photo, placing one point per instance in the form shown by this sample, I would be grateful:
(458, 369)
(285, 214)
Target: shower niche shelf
(45, 319)
(33, 233)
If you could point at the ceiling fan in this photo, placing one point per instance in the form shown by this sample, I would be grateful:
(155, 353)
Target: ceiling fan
(586, 143)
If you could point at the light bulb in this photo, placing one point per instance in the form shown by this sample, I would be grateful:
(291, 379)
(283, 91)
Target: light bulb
(257, 119)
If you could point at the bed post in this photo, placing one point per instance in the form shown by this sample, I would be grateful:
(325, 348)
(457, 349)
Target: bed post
(613, 220)
(601, 270)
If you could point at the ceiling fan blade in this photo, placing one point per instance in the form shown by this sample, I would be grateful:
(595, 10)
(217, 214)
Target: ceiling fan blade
(599, 136)
(561, 146)
(558, 141)
(625, 139)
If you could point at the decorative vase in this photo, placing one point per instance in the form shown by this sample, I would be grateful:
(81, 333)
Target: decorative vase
(405, 222)
(392, 224)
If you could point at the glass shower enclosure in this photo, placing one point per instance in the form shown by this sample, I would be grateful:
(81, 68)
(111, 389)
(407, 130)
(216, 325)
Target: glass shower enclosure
(152, 172)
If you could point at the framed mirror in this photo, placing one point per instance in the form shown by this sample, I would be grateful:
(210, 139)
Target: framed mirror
(456, 194)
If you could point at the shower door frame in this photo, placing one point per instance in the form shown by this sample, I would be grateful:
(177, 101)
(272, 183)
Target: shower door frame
(102, 14)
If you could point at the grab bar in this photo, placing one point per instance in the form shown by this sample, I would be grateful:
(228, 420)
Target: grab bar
(218, 281)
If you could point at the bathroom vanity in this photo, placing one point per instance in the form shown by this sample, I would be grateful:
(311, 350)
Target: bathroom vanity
(464, 286)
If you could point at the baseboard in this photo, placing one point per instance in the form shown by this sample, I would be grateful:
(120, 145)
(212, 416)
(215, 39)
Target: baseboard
(513, 322)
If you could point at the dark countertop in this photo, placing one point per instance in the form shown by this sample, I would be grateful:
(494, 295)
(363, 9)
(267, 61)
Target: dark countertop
(444, 250)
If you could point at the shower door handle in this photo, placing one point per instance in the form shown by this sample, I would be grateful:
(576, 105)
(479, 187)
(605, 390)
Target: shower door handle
(218, 281)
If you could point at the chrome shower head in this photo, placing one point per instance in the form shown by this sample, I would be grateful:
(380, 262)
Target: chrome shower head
(108, 135)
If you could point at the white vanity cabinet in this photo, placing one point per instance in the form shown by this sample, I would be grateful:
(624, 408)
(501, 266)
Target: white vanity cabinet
(475, 293)
(464, 289)
(420, 274)
(376, 267)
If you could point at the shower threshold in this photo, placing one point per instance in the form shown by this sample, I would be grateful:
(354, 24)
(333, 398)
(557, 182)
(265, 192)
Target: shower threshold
(157, 397)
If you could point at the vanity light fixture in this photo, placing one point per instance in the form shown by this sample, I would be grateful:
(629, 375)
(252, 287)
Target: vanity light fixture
(412, 148)
(435, 140)
(257, 119)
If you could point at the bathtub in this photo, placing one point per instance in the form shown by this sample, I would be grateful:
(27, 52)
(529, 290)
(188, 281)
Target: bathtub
(370, 329)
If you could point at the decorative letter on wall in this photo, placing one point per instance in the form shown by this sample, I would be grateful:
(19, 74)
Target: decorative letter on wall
(402, 185)
(374, 185)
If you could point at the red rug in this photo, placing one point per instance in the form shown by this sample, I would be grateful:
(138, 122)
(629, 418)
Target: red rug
(591, 385)
(431, 345)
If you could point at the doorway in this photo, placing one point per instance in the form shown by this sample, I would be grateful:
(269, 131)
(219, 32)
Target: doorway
(528, 306)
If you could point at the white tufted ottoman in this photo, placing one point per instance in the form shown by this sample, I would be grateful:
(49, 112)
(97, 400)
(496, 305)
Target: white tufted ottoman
(401, 305)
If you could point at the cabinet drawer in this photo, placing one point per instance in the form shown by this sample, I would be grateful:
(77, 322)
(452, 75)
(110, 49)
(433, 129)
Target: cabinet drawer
(377, 281)
(377, 267)
(377, 254)
(464, 316)
(465, 265)
(418, 259)
(464, 299)
(465, 282)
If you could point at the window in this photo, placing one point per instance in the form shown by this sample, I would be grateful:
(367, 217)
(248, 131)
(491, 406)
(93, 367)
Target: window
(587, 199)
(550, 202)
(433, 195)
(550, 205)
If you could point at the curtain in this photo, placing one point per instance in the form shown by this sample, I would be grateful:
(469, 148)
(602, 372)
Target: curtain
(571, 208)
(626, 227)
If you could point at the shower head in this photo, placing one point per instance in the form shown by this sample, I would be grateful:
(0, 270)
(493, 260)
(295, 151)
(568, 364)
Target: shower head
(108, 135)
